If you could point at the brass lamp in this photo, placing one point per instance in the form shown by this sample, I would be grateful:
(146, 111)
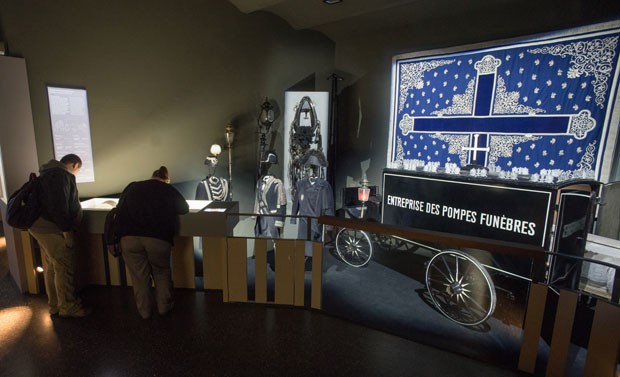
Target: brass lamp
(230, 137)
(363, 194)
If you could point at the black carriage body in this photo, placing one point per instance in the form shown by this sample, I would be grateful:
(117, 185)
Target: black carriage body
(517, 211)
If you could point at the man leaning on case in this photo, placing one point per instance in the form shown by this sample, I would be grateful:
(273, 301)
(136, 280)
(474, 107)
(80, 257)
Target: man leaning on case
(61, 212)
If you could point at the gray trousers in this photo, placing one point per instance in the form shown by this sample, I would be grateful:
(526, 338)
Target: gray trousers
(59, 274)
(149, 258)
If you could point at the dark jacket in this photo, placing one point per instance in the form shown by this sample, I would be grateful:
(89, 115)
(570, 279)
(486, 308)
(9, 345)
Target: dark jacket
(60, 202)
(150, 208)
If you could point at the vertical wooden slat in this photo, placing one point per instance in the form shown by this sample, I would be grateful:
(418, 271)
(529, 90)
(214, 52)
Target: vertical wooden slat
(225, 289)
(237, 269)
(299, 282)
(284, 274)
(260, 270)
(604, 344)
(532, 327)
(317, 275)
(213, 262)
(183, 269)
(29, 265)
(93, 264)
(562, 331)
(115, 269)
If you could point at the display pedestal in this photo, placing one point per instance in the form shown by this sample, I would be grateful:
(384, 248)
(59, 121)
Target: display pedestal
(213, 221)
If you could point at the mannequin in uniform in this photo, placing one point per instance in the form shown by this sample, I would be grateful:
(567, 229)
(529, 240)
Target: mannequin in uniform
(212, 187)
(313, 197)
(270, 200)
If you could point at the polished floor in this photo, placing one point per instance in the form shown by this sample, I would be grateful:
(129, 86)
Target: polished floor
(203, 336)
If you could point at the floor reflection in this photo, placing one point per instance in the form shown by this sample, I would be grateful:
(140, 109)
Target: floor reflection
(13, 323)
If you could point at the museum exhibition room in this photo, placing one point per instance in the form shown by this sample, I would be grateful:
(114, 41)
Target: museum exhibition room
(375, 188)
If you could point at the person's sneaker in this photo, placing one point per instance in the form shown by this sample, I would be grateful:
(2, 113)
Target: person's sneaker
(53, 310)
(81, 312)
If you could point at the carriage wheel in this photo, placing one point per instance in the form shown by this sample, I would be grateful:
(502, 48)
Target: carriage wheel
(460, 287)
(353, 247)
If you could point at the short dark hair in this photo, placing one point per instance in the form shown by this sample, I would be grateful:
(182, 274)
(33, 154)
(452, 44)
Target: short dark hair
(71, 159)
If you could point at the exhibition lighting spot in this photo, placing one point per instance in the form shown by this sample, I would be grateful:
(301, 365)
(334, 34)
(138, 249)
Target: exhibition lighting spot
(14, 324)
(230, 137)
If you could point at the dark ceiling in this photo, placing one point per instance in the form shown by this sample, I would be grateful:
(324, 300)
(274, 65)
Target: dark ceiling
(367, 32)
(356, 19)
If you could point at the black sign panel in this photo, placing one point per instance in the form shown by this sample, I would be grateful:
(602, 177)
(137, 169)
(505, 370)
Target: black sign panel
(515, 214)
(573, 226)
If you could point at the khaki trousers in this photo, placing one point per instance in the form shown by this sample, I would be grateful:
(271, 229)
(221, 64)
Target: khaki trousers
(149, 258)
(59, 275)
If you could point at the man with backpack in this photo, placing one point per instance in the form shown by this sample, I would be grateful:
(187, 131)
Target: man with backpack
(61, 212)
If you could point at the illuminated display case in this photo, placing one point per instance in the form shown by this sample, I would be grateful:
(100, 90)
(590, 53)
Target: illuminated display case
(205, 217)
(210, 220)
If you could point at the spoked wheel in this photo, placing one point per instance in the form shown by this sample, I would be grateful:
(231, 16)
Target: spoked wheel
(353, 247)
(460, 287)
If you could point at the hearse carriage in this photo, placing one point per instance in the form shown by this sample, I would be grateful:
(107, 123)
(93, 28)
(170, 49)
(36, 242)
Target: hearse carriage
(552, 217)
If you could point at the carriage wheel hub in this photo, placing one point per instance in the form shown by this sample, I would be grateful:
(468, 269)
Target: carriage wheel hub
(455, 288)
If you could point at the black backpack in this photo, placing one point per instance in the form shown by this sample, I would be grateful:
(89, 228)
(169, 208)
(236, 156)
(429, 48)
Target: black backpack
(23, 207)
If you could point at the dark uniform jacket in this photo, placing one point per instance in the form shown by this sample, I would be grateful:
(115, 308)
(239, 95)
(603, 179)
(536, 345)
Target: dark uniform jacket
(313, 197)
(270, 200)
(150, 209)
(60, 202)
(212, 188)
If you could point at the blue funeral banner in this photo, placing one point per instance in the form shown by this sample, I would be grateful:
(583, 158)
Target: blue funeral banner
(538, 105)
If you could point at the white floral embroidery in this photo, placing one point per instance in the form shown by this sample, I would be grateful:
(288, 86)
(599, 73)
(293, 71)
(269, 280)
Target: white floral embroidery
(508, 102)
(581, 124)
(588, 58)
(456, 143)
(462, 104)
(502, 146)
(406, 124)
(411, 76)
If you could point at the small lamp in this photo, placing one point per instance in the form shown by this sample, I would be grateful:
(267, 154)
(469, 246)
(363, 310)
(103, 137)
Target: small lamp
(215, 150)
(230, 135)
(211, 160)
(363, 194)
(266, 116)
